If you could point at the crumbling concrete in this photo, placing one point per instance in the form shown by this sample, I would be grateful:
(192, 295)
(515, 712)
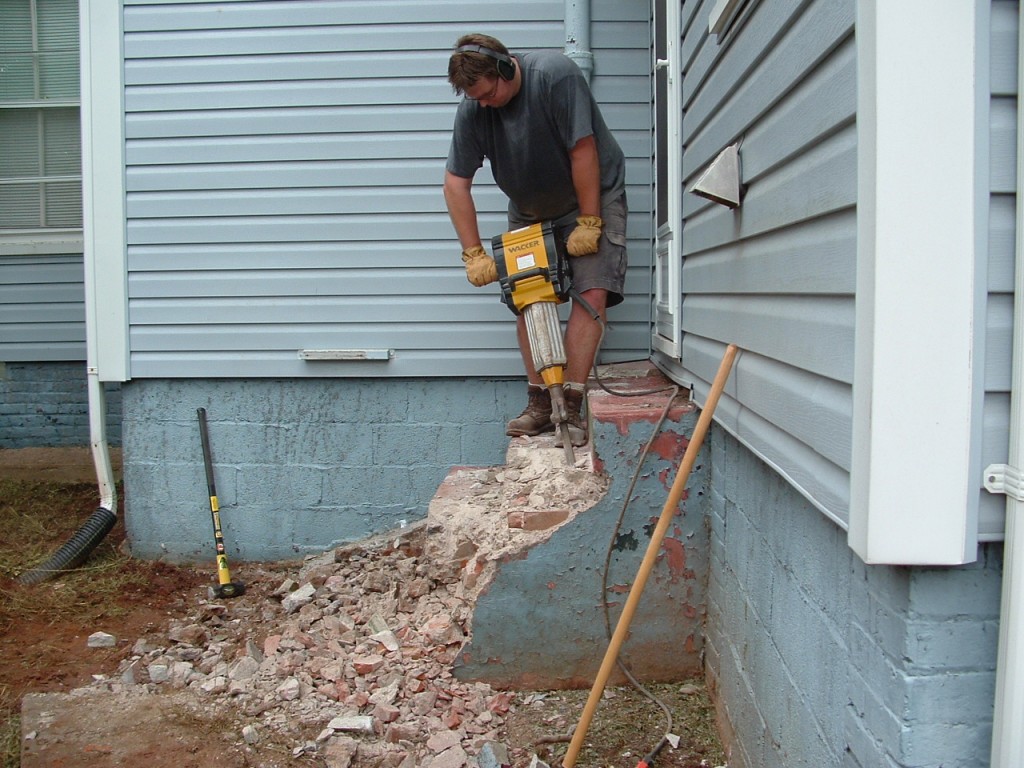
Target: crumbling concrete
(544, 619)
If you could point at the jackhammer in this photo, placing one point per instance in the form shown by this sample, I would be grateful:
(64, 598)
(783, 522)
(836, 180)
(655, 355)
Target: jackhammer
(533, 272)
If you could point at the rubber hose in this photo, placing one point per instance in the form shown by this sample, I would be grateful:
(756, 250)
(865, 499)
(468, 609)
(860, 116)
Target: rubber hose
(76, 549)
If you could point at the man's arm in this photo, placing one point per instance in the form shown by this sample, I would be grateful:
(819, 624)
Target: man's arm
(461, 209)
(480, 267)
(586, 176)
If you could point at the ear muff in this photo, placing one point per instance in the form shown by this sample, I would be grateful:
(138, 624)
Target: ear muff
(502, 63)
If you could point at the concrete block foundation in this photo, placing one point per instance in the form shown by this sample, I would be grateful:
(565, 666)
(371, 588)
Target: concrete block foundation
(816, 659)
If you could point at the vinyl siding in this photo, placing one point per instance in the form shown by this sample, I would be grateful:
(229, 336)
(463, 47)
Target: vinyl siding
(42, 310)
(777, 277)
(284, 167)
(1001, 236)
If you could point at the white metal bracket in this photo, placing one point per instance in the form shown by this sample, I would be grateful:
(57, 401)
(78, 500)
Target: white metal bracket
(1002, 478)
(346, 354)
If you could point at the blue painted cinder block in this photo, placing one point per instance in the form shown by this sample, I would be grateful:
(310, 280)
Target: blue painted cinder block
(818, 659)
(46, 405)
(300, 465)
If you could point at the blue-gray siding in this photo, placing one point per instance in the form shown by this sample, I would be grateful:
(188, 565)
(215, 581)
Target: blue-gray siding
(284, 163)
(778, 277)
(1002, 234)
(42, 311)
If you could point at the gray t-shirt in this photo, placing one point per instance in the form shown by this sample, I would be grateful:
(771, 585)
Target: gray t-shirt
(527, 141)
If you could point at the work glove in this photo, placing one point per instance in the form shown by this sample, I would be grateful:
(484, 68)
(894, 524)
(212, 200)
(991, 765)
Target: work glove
(583, 240)
(480, 268)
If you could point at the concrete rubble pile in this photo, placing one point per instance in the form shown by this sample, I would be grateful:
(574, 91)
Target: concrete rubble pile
(350, 655)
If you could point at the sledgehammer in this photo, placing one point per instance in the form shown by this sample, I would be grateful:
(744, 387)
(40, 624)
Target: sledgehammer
(226, 587)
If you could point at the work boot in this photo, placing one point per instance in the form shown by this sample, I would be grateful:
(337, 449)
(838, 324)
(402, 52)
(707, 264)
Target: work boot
(536, 418)
(575, 419)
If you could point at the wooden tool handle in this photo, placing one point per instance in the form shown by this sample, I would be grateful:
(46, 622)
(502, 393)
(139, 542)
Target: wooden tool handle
(667, 513)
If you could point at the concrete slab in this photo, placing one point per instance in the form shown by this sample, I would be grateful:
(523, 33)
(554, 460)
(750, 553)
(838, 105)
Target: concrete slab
(103, 729)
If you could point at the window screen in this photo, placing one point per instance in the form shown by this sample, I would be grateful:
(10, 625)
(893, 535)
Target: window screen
(40, 148)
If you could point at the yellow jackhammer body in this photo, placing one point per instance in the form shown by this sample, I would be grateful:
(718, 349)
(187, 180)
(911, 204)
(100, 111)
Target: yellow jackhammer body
(534, 275)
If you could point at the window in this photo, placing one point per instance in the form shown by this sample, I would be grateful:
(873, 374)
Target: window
(40, 149)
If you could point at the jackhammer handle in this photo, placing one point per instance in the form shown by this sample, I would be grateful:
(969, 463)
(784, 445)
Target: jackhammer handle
(526, 274)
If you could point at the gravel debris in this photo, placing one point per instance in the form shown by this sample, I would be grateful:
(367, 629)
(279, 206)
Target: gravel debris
(355, 646)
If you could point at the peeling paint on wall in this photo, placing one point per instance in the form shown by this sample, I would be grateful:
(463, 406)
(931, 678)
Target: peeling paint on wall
(626, 541)
(675, 558)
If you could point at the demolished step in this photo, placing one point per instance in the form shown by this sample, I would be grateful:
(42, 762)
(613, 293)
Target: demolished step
(542, 593)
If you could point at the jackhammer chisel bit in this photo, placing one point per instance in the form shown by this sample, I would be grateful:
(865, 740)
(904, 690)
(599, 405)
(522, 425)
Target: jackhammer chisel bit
(560, 418)
(545, 333)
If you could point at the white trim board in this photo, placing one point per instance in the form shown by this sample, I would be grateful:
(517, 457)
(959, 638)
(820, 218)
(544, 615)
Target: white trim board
(922, 213)
(103, 189)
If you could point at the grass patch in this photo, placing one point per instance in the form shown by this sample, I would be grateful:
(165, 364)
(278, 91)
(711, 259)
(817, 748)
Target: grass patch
(37, 519)
(10, 740)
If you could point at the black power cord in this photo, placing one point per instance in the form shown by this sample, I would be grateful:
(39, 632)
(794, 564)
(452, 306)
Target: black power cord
(674, 388)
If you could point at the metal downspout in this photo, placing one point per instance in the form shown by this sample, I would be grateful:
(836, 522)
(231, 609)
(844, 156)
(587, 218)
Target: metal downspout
(577, 35)
(97, 398)
(98, 442)
(1007, 735)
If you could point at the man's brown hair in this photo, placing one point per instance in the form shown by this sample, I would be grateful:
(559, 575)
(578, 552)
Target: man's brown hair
(466, 67)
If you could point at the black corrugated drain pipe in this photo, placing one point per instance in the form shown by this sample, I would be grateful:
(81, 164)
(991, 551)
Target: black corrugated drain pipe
(76, 549)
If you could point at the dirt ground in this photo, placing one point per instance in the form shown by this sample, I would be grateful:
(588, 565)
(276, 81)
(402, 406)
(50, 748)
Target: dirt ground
(64, 466)
(45, 662)
(46, 652)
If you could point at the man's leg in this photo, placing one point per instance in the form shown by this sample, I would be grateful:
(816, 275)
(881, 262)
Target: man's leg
(582, 335)
(600, 279)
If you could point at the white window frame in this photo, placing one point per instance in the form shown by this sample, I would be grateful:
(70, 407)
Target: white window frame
(667, 290)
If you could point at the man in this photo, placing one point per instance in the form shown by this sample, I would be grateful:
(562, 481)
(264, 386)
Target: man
(533, 117)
